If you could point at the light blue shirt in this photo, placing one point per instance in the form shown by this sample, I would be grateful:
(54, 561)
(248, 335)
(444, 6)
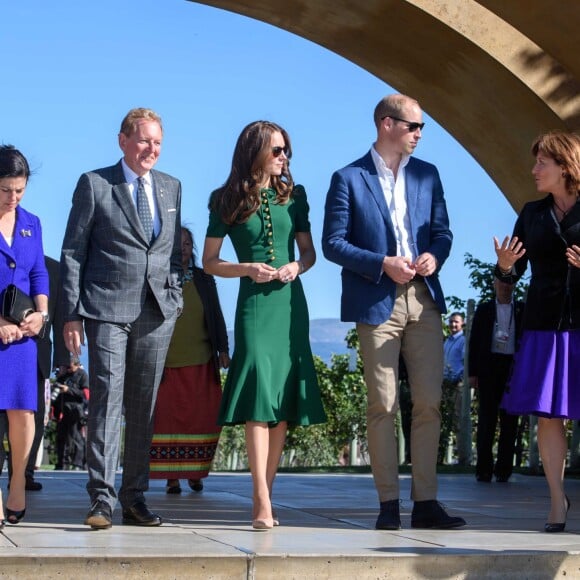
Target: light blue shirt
(454, 353)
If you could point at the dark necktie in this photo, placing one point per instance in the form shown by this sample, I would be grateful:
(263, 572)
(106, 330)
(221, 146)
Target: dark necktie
(143, 210)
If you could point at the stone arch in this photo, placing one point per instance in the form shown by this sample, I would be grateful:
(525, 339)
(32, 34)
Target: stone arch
(495, 74)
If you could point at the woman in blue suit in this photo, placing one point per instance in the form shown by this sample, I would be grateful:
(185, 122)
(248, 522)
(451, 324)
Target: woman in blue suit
(21, 264)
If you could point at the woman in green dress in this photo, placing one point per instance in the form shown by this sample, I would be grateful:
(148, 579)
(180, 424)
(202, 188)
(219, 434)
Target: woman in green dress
(271, 381)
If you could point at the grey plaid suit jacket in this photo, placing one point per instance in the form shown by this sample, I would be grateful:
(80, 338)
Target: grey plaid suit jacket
(107, 265)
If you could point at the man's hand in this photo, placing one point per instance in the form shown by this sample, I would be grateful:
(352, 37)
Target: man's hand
(74, 336)
(399, 269)
(426, 264)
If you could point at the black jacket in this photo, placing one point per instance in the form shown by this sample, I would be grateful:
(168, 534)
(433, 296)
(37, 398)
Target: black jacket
(74, 400)
(214, 318)
(480, 338)
(553, 300)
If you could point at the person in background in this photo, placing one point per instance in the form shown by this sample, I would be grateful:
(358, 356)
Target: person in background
(547, 365)
(386, 225)
(454, 349)
(23, 265)
(186, 432)
(453, 355)
(69, 407)
(120, 267)
(495, 333)
(271, 381)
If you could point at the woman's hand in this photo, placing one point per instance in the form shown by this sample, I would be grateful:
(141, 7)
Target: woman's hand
(508, 253)
(289, 272)
(32, 324)
(262, 273)
(224, 360)
(9, 332)
(573, 256)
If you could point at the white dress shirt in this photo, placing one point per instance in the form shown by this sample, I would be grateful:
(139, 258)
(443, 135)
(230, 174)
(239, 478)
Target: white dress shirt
(395, 193)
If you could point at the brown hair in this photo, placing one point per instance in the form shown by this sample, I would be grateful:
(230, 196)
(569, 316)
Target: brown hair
(564, 149)
(239, 197)
(133, 117)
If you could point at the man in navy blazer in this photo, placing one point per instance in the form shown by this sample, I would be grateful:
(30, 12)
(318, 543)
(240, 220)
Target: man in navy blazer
(386, 224)
(120, 264)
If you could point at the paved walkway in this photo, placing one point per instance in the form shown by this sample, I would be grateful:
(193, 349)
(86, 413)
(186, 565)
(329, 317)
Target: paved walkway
(327, 531)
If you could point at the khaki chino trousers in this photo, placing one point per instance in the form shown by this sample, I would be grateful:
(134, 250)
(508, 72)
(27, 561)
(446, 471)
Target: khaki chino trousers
(414, 331)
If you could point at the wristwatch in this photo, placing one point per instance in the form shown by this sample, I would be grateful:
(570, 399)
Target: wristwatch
(45, 316)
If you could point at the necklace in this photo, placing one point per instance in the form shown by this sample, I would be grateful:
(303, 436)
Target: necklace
(564, 212)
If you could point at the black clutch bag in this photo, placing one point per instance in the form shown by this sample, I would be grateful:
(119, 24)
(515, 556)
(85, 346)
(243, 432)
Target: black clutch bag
(16, 305)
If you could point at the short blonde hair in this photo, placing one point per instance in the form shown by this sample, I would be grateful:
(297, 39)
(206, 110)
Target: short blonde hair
(132, 118)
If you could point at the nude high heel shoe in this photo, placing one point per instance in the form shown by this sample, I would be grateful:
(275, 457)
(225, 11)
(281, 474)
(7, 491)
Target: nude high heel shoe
(263, 525)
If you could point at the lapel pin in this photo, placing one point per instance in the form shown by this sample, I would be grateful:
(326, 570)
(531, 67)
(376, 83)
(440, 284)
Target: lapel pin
(26, 233)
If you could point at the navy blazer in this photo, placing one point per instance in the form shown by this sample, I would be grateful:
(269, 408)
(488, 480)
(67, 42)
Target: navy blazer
(358, 233)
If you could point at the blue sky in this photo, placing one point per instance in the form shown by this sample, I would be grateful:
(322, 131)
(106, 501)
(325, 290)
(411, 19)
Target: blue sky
(71, 70)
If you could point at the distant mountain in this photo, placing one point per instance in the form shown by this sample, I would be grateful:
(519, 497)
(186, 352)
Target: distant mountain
(327, 337)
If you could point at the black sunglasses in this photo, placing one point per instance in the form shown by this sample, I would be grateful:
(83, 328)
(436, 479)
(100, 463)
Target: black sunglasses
(411, 126)
(277, 151)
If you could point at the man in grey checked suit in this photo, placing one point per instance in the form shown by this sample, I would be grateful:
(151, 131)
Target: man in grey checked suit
(120, 279)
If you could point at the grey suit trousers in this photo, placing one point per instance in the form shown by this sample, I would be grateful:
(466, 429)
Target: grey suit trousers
(125, 367)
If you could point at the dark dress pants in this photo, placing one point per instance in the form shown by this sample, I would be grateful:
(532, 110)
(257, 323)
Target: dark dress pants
(70, 443)
(38, 428)
(490, 392)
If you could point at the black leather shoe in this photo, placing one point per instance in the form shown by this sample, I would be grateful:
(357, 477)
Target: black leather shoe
(140, 515)
(483, 477)
(502, 478)
(195, 484)
(173, 486)
(430, 514)
(389, 516)
(100, 516)
(32, 485)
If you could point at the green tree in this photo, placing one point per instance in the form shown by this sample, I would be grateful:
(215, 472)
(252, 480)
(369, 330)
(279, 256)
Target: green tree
(481, 276)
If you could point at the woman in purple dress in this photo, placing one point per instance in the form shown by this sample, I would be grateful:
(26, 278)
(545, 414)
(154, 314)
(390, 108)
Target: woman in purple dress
(546, 377)
(21, 264)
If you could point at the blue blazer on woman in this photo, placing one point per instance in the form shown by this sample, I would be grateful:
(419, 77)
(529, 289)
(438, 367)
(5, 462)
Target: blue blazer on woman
(22, 263)
(358, 233)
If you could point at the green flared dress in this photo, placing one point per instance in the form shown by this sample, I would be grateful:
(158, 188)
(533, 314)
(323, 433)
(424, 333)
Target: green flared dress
(271, 376)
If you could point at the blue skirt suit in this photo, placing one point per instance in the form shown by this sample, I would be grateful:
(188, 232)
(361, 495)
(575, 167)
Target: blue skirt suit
(22, 264)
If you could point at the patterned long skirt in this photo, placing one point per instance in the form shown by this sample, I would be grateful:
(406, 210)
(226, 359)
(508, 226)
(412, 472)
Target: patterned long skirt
(186, 432)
